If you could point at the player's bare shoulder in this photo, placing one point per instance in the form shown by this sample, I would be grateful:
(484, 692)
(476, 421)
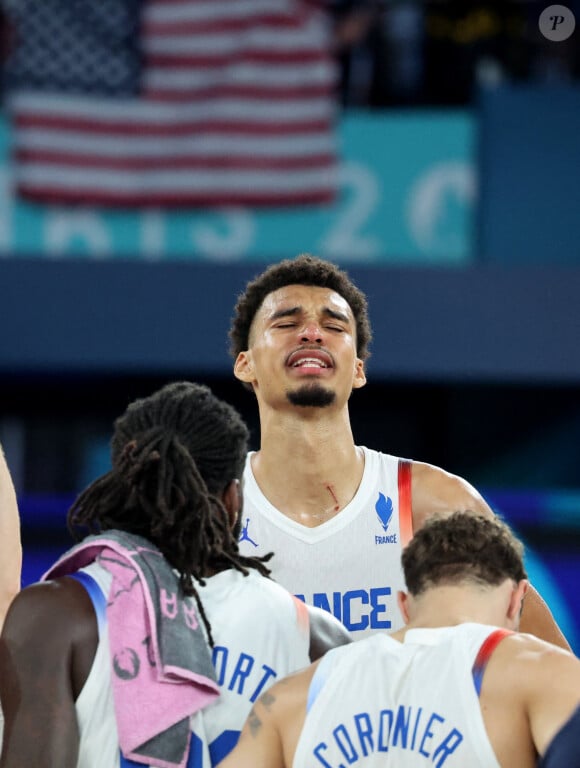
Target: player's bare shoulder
(548, 681)
(436, 491)
(538, 663)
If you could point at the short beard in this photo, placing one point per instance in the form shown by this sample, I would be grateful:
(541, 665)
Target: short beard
(311, 396)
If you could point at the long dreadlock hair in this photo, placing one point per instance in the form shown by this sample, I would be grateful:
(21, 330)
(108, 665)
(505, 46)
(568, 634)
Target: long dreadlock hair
(173, 454)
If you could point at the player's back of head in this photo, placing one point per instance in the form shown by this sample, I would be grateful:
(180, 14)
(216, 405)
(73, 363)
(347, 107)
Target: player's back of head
(459, 548)
(173, 455)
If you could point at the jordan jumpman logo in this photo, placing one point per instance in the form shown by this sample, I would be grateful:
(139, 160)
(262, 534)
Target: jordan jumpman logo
(244, 536)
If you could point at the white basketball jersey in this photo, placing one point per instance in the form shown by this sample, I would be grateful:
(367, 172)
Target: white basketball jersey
(261, 634)
(381, 703)
(349, 565)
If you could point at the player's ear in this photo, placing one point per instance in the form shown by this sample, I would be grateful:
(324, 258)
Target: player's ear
(243, 368)
(360, 378)
(403, 603)
(517, 600)
(232, 501)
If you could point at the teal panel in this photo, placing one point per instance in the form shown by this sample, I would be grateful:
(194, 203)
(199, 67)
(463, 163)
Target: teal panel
(407, 195)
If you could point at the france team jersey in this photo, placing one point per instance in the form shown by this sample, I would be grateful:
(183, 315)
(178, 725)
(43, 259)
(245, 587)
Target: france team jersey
(349, 565)
(383, 703)
(261, 634)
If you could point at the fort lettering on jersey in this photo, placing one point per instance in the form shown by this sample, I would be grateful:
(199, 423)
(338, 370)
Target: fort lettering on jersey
(240, 673)
(410, 729)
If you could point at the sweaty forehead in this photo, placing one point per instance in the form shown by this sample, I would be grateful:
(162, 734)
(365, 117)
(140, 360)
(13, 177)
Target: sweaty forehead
(309, 298)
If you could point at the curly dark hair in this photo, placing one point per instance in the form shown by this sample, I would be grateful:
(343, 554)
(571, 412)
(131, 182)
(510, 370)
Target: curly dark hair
(305, 269)
(173, 454)
(462, 547)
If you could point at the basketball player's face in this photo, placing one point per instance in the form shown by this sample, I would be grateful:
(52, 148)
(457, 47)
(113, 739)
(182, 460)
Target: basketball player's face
(302, 349)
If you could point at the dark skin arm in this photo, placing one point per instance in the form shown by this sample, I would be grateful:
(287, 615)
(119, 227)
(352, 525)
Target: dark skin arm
(47, 647)
(326, 632)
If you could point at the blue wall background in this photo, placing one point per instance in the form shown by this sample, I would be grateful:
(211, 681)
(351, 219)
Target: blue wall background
(529, 191)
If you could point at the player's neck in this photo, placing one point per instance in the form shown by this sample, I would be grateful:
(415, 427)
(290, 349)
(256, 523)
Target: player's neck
(448, 606)
(290, 431)
(309, 471)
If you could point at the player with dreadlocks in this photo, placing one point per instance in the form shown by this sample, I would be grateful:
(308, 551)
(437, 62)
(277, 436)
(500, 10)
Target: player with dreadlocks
(174, 456)
(157, 539)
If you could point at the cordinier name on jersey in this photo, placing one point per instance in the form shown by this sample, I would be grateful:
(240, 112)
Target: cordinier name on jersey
(388, 730)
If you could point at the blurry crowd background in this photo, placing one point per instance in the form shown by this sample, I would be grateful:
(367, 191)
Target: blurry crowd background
(441, 52)
(417, 53)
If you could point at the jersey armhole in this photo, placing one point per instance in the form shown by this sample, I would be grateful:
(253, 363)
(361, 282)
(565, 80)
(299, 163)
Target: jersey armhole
(318, 679)
(484, 655)
(405, 501)
(302, 615)
(97, 597)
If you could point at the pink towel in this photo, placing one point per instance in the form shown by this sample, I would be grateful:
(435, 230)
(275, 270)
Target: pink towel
(162, 671)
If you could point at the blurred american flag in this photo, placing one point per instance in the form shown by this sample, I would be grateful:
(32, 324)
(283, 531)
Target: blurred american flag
(172, 103)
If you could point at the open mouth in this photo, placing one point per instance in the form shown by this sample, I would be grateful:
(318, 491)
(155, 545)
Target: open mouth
(317, 359)
(309, 362)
